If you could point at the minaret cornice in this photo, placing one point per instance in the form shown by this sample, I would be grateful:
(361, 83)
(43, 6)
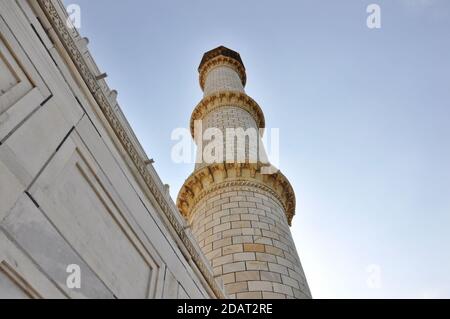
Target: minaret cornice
(227, 98)
(221, 60)
(219, 175)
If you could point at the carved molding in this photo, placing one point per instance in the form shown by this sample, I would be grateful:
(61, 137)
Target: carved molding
(60, 27)
(216, 176)
(221, 60)
(227, 98)
(19, 281)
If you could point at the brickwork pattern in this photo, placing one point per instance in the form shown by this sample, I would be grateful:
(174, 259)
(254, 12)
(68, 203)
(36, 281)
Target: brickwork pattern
(233, 117)
(222, 78)
(246, 237)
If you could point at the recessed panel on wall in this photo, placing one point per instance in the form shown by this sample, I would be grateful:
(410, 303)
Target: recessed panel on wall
(77, 198)
(21, 88)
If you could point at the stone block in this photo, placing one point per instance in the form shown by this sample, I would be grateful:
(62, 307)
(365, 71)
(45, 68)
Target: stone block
(222, 260)
(256, 265)
(234, 267)
(260, 286)
(221, 243)
(278, 268)
(247, 275)
(243, 256)
(231, 249)
(221, 227)
(266, 257)
(249, 295)
(283, 289)
(228, 278)
(240, 224)
(290, 281)
(270, 276)
(273, 295)
(233, 288)
(254, 247)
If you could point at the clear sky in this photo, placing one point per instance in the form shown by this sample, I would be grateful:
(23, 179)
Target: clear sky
(364, 119)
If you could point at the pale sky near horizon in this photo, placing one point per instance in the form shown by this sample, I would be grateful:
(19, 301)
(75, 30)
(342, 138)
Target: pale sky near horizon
(364, 119)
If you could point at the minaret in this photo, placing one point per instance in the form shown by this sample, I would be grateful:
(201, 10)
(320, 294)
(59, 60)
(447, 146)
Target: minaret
(239, 212)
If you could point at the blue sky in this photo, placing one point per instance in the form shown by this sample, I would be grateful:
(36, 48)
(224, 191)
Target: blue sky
(364, 119)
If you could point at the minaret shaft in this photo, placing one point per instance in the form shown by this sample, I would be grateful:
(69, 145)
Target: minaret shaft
(222, 78)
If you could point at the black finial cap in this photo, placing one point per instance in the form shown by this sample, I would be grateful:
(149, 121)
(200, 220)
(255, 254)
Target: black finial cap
(221, 50)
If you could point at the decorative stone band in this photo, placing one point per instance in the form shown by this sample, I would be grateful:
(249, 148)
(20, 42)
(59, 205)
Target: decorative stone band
(227, 98)
(218, 61)
(216, 176)
(67, 40)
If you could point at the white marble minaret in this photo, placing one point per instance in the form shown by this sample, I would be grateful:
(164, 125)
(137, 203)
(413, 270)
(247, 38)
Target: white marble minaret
(240, 215)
